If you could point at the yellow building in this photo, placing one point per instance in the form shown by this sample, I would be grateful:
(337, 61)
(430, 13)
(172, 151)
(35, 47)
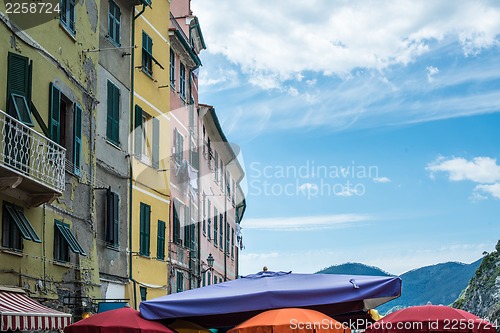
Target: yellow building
(48, 83)
(150, 123)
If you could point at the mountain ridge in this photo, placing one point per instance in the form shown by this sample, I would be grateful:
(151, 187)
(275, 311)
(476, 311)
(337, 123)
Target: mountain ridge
(440, 283)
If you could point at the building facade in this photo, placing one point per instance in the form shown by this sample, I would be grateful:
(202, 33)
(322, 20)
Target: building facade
(149, 195)
(186, 41)
(222, 201)
(47, 159)
(115, 183)
(112, 149)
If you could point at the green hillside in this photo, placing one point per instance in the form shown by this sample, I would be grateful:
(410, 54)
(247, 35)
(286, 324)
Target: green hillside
(437, 284)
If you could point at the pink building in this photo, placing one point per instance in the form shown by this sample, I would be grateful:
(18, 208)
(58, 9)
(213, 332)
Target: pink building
(204, 172)
(222, 203)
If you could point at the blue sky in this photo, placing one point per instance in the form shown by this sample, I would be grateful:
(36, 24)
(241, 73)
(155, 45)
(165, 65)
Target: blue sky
(369, 132)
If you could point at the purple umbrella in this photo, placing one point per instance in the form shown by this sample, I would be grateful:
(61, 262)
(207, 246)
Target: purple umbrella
(229, 303)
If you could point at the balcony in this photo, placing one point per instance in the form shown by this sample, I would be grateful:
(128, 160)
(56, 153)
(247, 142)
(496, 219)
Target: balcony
(31, 165)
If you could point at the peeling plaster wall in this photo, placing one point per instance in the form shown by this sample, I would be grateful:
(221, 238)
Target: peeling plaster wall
(62, 59)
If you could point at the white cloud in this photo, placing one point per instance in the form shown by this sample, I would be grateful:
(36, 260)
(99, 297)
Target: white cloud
(431, 71)
(493, 190)
(276, 40)
(479, 169)
(381, 180)
(482, 170)
(308, 187)
(302, 223)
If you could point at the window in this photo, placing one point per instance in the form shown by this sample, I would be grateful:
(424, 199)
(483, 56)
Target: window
(216, 166)
(215, 279)
(19, 88)
(144, 293)
(64, 240)
(204, 279)
(209, 219)
(178, 147)
(172, 68)
(221, 177)
(160, 244)
(65, 125)
(216, 214)
(232, 193)
(147, 138)
(189, 231)
(67, 15)
(228, 238)
(228, 185)
(182, 81)
(113, 114)
(180, 282)
(15, 226)
(114, 22)
(112, 218)
(147, 54)
(204, 216)
(232, 242)
(209, 279)
(178, 212)
(187, 226)
(145, 224)
(221, 232)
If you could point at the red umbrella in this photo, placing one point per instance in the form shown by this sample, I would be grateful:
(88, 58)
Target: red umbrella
(124, 320)
(431, 318)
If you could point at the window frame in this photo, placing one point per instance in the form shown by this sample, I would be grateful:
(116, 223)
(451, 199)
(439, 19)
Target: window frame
(160, 240)
(67, 17)
(179, 281)
(114, 23)
(113, 113)
(144, 229)
(63, 234)
(147, 54)
(112, 219)
(182, 81)
(216, 227)
(172, 68)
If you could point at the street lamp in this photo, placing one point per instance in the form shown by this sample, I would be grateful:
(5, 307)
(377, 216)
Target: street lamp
(210, 262)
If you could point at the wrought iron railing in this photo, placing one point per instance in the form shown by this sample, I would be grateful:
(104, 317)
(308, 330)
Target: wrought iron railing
(31, 154)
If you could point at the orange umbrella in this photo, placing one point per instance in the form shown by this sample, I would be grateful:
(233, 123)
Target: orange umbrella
(290, 320)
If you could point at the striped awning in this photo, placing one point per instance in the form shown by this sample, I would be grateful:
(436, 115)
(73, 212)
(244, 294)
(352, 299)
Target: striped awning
(19, 312)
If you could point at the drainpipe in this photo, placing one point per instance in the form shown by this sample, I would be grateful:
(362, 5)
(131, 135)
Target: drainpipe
(131, 121)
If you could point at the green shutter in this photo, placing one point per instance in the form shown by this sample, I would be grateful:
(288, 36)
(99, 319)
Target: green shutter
(55, 114)
(116, 115)
(77, 142)
(177, 224)
(117, 25)
(144, 229)
(193, 239)
(156, 143)
(221, 232)
(113, 114)
(148, 228)
(138, 132)
(109, 114)
(160, 247)
(116, 220)
(18, 75)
